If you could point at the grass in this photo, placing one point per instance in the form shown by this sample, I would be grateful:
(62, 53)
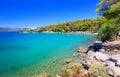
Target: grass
(99, 69)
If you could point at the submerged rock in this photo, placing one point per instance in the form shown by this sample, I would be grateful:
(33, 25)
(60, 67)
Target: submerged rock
(70, 66)
(67, 61)
(58, 76)
(55, 59)
(76, 55)
(79, 75)
(71, 69)
(79, 50)
(82, 50)
(42, 75)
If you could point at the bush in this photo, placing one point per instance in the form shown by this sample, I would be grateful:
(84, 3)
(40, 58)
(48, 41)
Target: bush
(107, 32)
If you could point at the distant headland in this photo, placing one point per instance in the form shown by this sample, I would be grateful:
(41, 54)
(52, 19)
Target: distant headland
(9, 29)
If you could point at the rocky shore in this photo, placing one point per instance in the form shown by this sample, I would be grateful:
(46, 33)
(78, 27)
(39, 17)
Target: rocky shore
(73, 32)
(99, 60)
(107, 54)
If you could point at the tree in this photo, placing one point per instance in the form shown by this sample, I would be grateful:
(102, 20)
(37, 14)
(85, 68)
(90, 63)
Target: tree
(110, 9)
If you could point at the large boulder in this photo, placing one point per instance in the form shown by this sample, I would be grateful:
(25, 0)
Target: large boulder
(113, 62)
(97, 45)
(116, 59)
(101, 56)
(109, 64)
(102, 50)
(118, 63)
(114, 71)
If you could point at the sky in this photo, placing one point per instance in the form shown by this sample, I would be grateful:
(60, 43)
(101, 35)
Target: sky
(36, 13)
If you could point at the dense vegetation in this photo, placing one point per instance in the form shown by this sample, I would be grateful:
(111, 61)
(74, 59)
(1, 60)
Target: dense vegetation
(79, 25)
(110, 9)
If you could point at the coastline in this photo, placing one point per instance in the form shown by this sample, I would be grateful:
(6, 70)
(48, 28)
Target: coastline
(102, 61)
(76, 32)
(91, 63)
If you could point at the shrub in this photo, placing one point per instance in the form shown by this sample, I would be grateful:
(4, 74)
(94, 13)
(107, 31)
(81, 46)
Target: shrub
(107, 32)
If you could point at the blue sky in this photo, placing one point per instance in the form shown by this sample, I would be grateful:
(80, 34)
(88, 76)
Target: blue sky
(35, 13)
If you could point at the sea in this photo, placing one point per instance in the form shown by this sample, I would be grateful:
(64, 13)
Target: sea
(29, 54)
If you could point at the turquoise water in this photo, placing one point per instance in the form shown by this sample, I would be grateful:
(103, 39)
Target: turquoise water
(25, 55)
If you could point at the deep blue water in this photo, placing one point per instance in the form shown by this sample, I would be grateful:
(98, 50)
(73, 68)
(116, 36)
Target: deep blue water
(21, 52)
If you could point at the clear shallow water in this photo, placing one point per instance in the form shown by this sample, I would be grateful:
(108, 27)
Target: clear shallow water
(24, 55)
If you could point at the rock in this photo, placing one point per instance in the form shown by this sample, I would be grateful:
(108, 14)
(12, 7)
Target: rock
(87, 64)
(110, 64)
(85, 73)
(42, 75)
(82, 50)
(79, 75)
(102, 50)
(115, 50)
(55, 59)
(90, 48)
(70, 72)
(92, 74)
(114, 71)
(58, 76)
(116, 59)
(101, 56)
(90, 54)
(70, 66)
(119, 33)
(71, 69)
(76, 55)
(97, 45)
(69, 60)
(74, 69)
(79, 51)
(118, 63)
(73, 65)
(110, 72)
